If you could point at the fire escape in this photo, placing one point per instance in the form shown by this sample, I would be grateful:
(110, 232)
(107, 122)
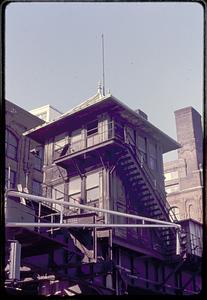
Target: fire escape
(118, 150)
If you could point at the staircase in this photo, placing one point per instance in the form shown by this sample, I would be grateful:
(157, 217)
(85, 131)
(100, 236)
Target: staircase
(80, 241)
(138, 177)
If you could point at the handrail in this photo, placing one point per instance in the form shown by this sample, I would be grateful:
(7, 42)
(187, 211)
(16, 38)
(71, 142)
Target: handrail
(108, 131)
(152, 178)
(87, 207)
(55, 189)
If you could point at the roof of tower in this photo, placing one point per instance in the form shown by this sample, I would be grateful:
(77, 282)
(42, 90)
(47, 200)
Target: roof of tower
(96, 104)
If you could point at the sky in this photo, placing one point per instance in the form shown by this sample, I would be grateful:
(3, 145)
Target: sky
(153, 55)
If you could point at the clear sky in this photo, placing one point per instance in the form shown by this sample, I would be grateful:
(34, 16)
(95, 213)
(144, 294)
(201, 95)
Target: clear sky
(153, 56)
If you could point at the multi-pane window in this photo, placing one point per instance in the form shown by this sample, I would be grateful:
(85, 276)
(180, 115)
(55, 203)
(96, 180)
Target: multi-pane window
(74, 188)
(58, 194)
(10, 178)
(74, 192)
(38, 159)
(11, 145)
(59, 142)
(92, 128)
(92, 133)
(152, 156)
(142, 147)
(92, 187)
(76, 140)
(36, 188)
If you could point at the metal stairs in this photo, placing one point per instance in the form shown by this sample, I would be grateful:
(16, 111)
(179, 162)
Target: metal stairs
(83, 241)
(150, 196)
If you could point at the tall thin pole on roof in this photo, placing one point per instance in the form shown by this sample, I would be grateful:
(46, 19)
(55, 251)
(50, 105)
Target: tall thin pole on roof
(103, 71)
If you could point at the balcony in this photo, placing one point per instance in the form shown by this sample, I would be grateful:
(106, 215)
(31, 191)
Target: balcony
(101, 137)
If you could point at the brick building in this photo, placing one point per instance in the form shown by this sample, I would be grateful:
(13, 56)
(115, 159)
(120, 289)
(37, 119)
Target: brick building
(47, 113)
(22, 166)
(184, 176)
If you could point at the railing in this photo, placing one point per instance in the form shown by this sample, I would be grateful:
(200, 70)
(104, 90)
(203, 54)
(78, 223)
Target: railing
(65, 212)
(146, 222)
(195, 245)
(94, 136)
(153, 181)
(49, 190)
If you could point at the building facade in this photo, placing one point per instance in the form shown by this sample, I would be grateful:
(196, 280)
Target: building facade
(47, 113)
(22, 166)
(104, 155)
(184, 176)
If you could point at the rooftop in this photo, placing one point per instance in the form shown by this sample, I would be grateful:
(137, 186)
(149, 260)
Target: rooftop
(47, 106)
(95, 104)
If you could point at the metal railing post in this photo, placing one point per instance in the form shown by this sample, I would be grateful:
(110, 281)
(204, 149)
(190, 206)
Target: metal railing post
(61, 213)
(52, 219)
(177, 242)
(39, 215)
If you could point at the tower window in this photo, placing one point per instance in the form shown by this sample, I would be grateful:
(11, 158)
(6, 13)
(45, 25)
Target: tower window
(92, 187)
(11, 145)
(92, 128)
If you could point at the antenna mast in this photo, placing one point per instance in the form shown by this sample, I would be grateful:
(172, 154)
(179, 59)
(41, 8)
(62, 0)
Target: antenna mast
(103, 74)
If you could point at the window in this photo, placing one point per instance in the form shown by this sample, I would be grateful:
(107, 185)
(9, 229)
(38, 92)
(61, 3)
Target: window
(36, 188)
(171, 175)
(38, 159)
(59, 142)
(92, 128)
(75, 187)
(76, 140)
(93, 138)
(12, 178)
(142, 147)
(92, 187)
(74, 192)
(11, 145)
(58, 194)
(152, 156)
